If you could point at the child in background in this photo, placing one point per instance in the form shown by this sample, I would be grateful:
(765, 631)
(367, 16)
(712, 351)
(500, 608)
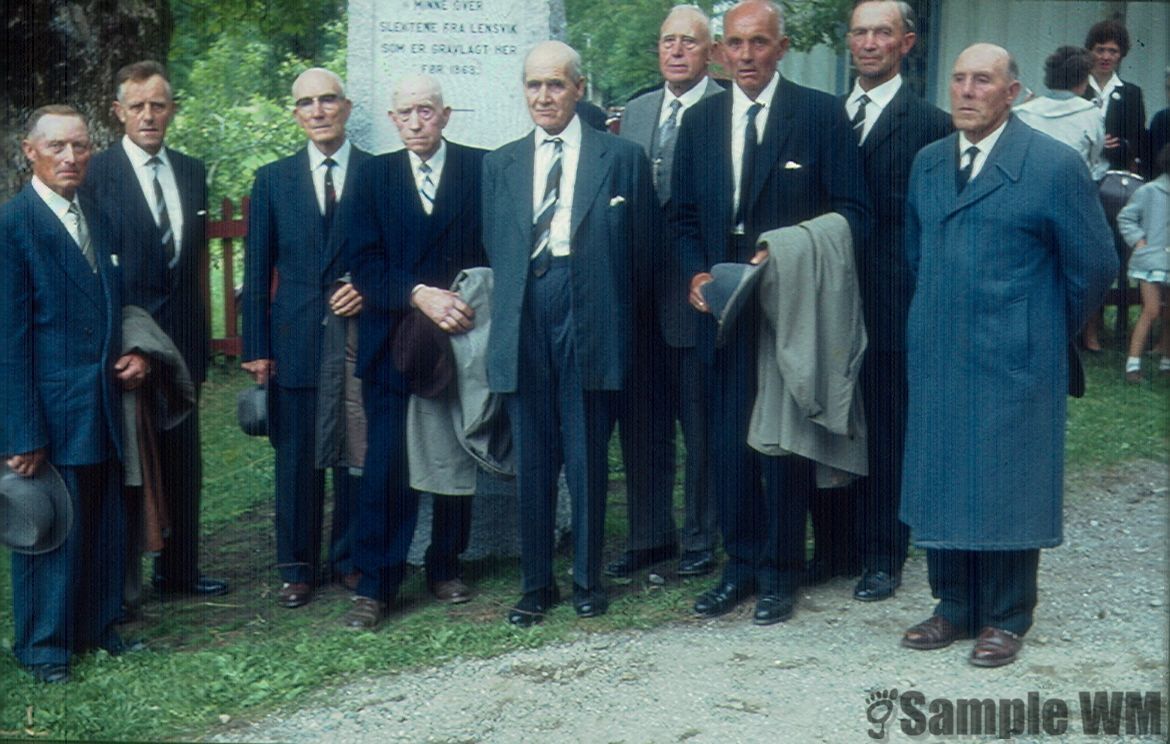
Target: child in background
(1144, 223)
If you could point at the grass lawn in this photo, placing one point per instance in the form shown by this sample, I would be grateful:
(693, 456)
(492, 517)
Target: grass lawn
(209, 662)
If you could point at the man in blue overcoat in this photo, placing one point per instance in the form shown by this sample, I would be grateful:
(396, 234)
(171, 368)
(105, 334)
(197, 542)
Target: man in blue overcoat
(1003, 233)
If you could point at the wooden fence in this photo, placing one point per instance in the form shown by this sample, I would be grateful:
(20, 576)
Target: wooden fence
(231, 231)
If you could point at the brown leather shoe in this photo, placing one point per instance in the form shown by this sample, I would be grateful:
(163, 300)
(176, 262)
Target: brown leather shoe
(294, 595)
(451, 592)
(934, 632)
(995, 647)
(365, 614)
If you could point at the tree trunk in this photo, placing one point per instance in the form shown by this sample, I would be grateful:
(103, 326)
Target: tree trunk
(67, 51)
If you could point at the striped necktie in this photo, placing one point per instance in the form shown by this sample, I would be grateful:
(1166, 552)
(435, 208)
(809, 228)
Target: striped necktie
(542, 220)
(858, 120)
(82, 235)
(427, 189)
(161, 215)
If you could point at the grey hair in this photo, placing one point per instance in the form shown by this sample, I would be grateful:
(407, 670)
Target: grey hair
(909, 20)
(694, 10)
(328, 73)
(570, 56)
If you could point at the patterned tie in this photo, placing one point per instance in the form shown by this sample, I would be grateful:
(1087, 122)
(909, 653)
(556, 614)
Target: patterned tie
(858, 120)
(664, 146)
(747, 172)
(427, 190)
(964, 174)
(164, 219)
(82, 235)
(542, 220)
(330, 192)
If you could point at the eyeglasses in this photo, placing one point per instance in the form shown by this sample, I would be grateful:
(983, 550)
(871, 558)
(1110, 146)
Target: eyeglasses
(328, 102)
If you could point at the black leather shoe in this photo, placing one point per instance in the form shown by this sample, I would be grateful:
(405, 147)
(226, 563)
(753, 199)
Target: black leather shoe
(773, 608)
(590, 602)
(635, 560)
(51, 674)
(722, 599)
(876, 586)
(532, 607)
(204, 586)
(697, 563)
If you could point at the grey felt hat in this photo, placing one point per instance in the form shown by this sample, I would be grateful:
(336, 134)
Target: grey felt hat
(36, 513)
(252, 410)
(728, 291)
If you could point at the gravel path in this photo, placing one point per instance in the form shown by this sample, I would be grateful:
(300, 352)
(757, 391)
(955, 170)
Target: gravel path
(1102, 625)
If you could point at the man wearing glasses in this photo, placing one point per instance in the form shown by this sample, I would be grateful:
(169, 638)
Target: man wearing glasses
(294, 275)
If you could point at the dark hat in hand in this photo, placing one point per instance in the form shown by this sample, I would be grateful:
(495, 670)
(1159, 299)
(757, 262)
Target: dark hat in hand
(422, 353)
(728, 291)
(252, 410)
(36, 513)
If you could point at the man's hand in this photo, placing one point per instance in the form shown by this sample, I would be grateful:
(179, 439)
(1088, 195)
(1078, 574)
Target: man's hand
(346, 302)
(445, 309)
(1112, 141)
(131, 370)
(27, 465)
(696, 295)
(261, 370)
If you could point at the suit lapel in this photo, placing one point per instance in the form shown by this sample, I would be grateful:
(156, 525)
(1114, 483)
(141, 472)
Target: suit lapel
(124, 177)
(1004, 163)
(780, 123)
(887, 122)
(446, 201)
(592, 164)
(305, 194)
(647, 131)
(52, 237)
(517, 178)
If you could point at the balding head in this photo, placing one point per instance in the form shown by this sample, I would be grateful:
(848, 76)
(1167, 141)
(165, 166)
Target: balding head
(418, 88)
(983, 87)
(754, 43)
(419, 114)
(321, 108)
(555, 53)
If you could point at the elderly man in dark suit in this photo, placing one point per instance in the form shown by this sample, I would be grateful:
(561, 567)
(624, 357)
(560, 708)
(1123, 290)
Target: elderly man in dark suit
(892, 124)
(569, 218)
(293, 248)
(766, 154)
(413, 225)
(1003, 233)
(158, 198)
(60, 312)
(665, 381)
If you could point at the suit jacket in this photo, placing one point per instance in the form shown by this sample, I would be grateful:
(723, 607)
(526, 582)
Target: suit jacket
(392, 245)
(1007, 272)
(904, 127)
(612, 240)
(286, 235)
(1125, 118)
(173, 297)
(807, 165)
(640, 125)
(61, 324)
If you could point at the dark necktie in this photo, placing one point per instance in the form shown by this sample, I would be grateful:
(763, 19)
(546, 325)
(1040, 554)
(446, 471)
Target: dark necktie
(664, 147)
(964, 174)
(747, 171)
(542, 220)
(83, 240)
(427, 190)
(330, 192)
(164, 219)
(858, 120)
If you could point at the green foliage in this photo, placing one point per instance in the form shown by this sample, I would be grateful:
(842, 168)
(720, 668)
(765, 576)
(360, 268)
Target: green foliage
(812, 22)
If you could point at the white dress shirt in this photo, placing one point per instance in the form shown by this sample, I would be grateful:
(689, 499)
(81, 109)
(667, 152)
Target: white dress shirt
(688, 99)
(558, 238)
(740, 104)
(436, 163)
(140, 160)
(59, 206)
(879, 97)
(985, 146)
(317, 169)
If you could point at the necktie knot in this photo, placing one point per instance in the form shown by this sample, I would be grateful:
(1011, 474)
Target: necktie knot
(329, 163)
(753, 111)
(967, 166)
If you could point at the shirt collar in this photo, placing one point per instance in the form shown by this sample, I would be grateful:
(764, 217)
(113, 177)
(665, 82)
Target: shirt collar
(139, 157)
(341, 157)
(881, 94)
(741, 103)
(435, 161)
(985, 145)
(570, 136)
(688, 99)
(59, 204)
(1111, 84)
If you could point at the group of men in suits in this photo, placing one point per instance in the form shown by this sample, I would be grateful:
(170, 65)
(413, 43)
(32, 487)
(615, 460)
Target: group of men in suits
(88, 235)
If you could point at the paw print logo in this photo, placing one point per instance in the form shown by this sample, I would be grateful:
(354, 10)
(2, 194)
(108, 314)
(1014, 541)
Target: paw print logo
(880, 710)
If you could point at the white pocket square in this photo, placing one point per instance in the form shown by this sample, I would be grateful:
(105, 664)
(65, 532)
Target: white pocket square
(619, 199)
(792, 165)
(201, 213)
(114, 258)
